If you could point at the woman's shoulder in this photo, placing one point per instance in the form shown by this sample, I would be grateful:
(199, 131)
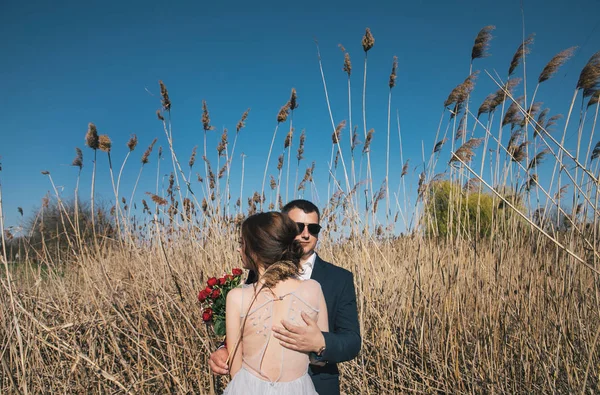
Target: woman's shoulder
(311, 285)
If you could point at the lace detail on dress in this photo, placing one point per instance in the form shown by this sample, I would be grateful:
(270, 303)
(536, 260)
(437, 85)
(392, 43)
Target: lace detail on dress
(262, 354)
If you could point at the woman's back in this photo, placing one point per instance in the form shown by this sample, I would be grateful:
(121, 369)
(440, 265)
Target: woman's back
(262, 354)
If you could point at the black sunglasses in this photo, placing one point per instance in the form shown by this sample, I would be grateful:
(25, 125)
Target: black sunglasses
(313, 229)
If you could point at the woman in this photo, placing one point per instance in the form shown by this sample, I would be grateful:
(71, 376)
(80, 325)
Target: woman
(258, 364)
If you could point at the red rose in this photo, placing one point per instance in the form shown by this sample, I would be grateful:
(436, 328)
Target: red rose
(212, 281)
(202, 296)
(208, 290)
(207, 315)
(237, 272)
(222, 281)
(229, 277)
(215, 294)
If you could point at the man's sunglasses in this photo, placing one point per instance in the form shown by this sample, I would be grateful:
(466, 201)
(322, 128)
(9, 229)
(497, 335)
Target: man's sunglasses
(313, 229)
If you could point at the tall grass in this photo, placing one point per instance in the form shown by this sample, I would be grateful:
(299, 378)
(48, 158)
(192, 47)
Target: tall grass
(511, 310)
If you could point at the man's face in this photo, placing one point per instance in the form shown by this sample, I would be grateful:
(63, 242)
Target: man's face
(308, 240)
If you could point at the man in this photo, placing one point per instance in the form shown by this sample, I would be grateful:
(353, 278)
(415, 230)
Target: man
(326, 349)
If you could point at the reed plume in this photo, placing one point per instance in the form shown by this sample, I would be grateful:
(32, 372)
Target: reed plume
(104, 143)
(91, 137)
(300, 154)
(20, 210)
(293, 100)
(368, 41)
(513, 114)
(132, 143)
(404, 169)
(438, 146)
(368, 141)
(482, 43)
(589, 79)
(347, 64)
(531, 181)
(159, 115)
(164, 93)
(148, 151)
(206, 118)
(466, 151)
(594, 98)
(283, 113)
(335, 136)
(537, 159)
(78, 161)
(520, 152)
(504, 92)
(288, 140)
(595, 152)
(223, 143)
(555, 63)
(392, 82)
(157, 199)
(461, 92)
(524, 48)
(193, 157)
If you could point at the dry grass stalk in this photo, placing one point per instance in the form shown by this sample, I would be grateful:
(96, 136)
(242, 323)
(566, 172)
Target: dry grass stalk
(159, 116)
(78, 161)
(164, 93)
(91, 137)
(589, 79)
(392, 82)
(466, 152)
(524, 48)
(355, 139)
(555, 63)
(368, 41)
(104, 143)
(482, 43)
(561, 192)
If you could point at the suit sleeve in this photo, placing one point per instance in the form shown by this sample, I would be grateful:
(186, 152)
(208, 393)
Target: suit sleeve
(343, 341)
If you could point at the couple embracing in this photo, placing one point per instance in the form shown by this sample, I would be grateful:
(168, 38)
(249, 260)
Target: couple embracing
(295, 318)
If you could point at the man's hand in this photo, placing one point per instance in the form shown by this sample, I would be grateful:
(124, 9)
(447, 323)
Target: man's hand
(218, 361)
(303, 339)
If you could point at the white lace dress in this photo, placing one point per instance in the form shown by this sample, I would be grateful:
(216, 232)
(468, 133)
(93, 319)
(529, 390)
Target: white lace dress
(267, 367)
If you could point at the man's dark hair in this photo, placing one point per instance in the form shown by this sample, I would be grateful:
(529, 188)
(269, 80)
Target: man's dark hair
(304, 205)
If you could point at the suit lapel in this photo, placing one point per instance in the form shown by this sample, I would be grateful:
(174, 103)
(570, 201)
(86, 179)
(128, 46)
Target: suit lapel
(318, 272)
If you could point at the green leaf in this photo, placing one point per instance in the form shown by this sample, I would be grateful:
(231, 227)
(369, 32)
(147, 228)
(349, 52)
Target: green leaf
(220, 327)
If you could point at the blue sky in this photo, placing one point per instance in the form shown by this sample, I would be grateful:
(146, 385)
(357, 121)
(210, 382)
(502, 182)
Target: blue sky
(68, 63)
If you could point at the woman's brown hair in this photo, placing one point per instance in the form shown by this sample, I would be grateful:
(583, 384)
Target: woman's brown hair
(269, 240)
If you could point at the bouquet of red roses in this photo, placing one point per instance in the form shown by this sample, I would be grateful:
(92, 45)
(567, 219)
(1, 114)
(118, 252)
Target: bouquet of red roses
(213, 299)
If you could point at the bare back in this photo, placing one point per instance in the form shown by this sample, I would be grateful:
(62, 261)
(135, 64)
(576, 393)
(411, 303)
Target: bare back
(261, 353)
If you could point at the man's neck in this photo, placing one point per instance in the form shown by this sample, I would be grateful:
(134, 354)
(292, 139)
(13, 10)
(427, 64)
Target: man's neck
(305, 258)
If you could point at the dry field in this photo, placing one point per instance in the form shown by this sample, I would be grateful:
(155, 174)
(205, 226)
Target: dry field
(492, 287)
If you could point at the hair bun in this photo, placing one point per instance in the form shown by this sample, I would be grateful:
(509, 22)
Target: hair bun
(294, 252)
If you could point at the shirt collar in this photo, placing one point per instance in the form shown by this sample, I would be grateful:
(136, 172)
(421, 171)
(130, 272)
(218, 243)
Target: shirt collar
(310, 262)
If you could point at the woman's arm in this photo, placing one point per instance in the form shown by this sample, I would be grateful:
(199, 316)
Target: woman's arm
(233, 323)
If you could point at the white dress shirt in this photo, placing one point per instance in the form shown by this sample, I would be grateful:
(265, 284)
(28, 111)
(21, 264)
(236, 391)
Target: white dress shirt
(307, 267)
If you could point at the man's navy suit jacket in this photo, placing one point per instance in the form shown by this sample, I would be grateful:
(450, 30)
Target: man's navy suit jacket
(343, 339)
